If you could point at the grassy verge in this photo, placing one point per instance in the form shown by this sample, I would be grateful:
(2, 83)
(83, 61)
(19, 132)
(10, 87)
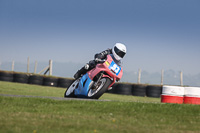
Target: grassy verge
(35, 90)
(27, 89)
(121, 115)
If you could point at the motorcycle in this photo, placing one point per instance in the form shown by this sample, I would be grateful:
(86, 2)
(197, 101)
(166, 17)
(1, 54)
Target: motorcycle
(97, 81)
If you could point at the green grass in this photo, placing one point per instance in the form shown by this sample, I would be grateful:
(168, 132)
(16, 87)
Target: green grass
(122, 114)
(35, 90)
(27, 89)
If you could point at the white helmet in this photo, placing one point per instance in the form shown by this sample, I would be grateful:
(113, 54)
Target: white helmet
(118, 51)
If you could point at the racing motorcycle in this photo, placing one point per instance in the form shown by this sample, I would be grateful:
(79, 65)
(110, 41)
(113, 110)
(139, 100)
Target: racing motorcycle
(97, 81)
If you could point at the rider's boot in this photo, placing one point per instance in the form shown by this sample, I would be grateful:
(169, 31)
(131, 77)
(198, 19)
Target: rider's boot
(82, 71)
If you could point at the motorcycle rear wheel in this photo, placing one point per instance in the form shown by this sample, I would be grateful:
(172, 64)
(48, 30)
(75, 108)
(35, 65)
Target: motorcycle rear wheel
(70, 91)
(100, 90)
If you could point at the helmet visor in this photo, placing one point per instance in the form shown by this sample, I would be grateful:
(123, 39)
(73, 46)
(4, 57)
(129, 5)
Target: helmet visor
(119, 52)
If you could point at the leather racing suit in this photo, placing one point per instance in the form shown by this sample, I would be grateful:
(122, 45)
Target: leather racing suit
(89, 66)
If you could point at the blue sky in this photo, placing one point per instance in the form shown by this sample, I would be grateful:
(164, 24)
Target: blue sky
(159, 34)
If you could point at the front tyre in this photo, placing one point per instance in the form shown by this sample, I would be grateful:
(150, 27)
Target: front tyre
(70, 91)
(102, 86)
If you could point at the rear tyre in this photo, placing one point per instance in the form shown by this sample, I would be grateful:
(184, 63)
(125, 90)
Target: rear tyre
(70, 91)
(100, 90)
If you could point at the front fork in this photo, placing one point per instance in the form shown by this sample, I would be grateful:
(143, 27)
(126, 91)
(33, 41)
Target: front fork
(96, 83)
(101, 75)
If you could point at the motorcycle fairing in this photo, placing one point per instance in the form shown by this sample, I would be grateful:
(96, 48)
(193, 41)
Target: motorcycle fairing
(110, 67)
(83, 87)
(115, 68)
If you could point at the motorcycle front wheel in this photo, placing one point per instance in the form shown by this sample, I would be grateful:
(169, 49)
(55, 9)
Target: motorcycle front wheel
(70, 91)
(102, 86)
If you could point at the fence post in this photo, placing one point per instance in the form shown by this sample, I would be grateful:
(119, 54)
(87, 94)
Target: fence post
(139, 76)
(162, 74)
(13, 65)
(35, 69)
(50, 67)
(28, 61)
(46, 68)
(181, 78)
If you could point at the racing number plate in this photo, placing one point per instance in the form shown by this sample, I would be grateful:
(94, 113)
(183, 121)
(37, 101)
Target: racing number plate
(115, 68)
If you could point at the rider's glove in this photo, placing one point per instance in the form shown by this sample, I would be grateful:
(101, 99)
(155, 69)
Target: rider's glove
(92, 63)
(97, 60)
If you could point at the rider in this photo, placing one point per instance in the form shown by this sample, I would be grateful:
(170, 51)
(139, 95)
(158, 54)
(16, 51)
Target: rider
(117, 53)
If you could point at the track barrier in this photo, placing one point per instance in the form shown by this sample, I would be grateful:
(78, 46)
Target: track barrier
(168, 94)
(180, 95)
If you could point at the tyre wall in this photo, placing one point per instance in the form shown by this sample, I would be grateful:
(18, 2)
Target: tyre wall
(192, 95)
(137, 90)
(118, 88)
(20, 77)
(64, 82)
(180, 95)
(168, 94)
(154, 91)
(35, 79)
(6, 76)
(172, 94)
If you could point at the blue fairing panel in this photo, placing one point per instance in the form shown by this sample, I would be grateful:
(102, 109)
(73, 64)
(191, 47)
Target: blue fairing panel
(83, 86)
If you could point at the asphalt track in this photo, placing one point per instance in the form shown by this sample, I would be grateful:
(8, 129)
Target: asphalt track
(78, 99)
(55, 98)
